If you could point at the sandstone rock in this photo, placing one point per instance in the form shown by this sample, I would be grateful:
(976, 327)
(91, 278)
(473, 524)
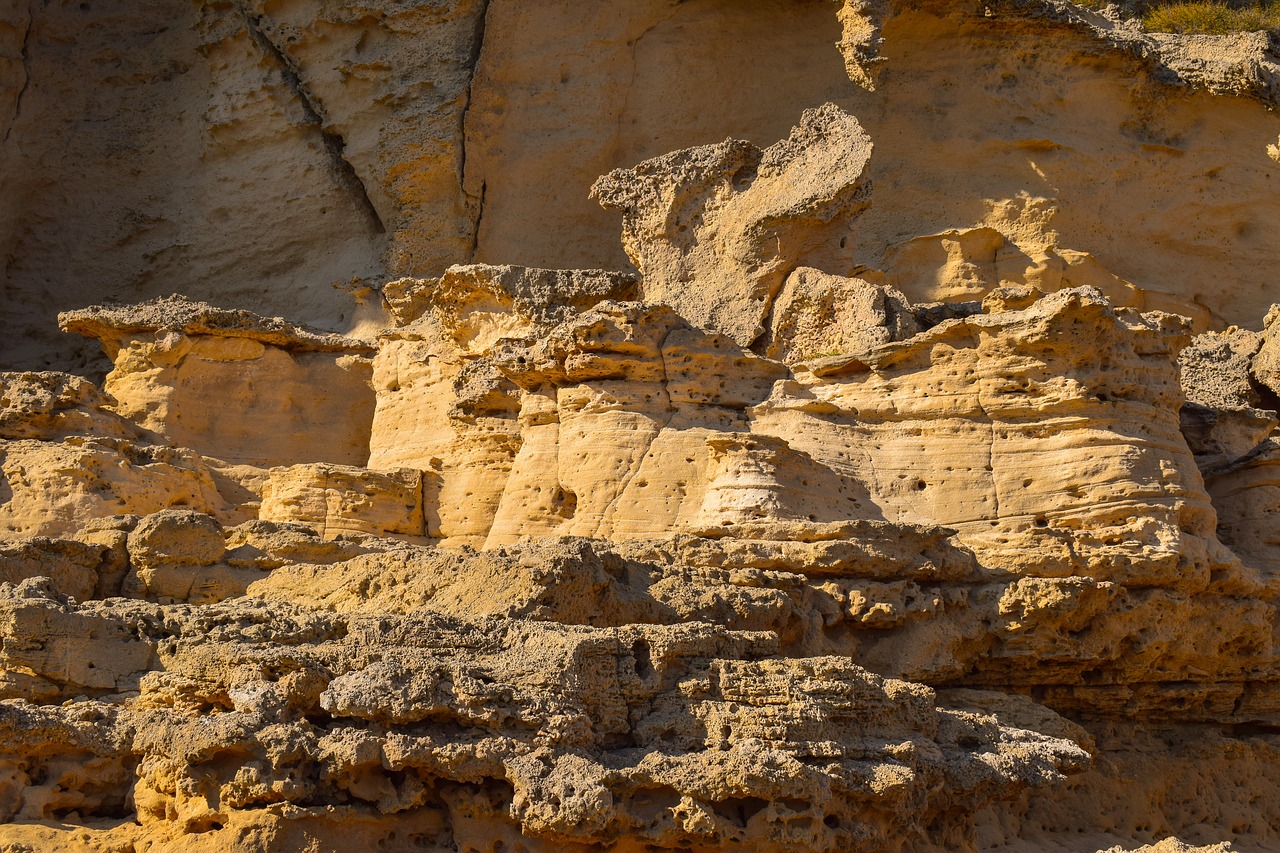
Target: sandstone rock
(1224, 417)
(992, 385)
(926, 612)
(970, 263)
(954, 264)
(1174, 845)
(1265, 367)
(912, 522)
(269, 545)
(53, 488)
(753, 478)
(627, 399)
(233, 385)
(50, 650)
(112, 534)
(1247, 495)
(816, 315)
(52, 406)
(442, 405)
(544, 713)
(420, 424)
(115, 326)
(72, 567)
(175, 556)
(739, 493)
(338, 500)
(493, 159)
(715, 230)
(176, 536)
(74, 767)
(471, 297)
(1215, 369)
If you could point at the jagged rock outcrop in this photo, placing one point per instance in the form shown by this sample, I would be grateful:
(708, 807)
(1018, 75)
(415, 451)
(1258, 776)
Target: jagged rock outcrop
(671, 735)
(1223, 418)
(902, 487)
(778, 501)
(735, 219)
(50, 406)
(409, 139)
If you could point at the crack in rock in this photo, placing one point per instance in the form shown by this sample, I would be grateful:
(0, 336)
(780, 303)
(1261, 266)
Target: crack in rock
(314, 115)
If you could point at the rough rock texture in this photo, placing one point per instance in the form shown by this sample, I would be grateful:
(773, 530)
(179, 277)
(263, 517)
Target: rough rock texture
(889, 596)
(588, 734)
(714, 230)
(1224, 416)
(243, 388)
(817, 314)
(337, 499)
(386, 140)
(898, 482)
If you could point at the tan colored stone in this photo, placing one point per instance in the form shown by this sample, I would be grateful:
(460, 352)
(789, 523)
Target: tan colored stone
(1224, 416)
(817, 315)
(1246, 493)
(54, 488)
(336, 500)
(1265, 367)
(969, 425)
(51, 406)
(233, 385)
(715, 230)
(72, 567)
(908, 520)
(546, 709)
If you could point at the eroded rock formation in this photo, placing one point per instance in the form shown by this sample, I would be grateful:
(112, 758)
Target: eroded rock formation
(905, 492)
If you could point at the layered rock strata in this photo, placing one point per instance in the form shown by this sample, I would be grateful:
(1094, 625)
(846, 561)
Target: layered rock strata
(888, 503)
(869, 595)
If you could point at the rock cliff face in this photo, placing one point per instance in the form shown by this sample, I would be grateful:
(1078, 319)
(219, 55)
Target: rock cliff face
(900, 473)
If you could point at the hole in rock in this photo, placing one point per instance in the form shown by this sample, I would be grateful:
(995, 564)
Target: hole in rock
(644, 662)
(739, 810)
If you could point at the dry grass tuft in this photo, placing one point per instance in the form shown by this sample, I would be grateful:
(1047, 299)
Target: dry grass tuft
(1212, 18)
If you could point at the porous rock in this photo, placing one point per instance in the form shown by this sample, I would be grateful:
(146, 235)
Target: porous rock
(714, 230)
(897, 483)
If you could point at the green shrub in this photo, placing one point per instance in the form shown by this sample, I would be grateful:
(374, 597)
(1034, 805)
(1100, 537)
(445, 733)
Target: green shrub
(1211, 18)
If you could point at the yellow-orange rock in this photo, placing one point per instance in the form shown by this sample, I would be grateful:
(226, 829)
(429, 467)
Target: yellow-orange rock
(337, 499)
(233, 385)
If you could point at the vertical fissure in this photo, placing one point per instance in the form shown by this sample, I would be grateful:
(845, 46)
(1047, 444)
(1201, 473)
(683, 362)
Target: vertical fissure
(475, 234)
(477, 46)
(312, 112)
(26, 72)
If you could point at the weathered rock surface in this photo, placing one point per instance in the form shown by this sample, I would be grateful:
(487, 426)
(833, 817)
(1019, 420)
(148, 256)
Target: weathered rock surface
(897, 483)
(772, 546)
(50, 406)
(54, 488)
(337, 499)
(1223, 417)
(233, 385)
(714, 230)
(667, 734)
(412, 138)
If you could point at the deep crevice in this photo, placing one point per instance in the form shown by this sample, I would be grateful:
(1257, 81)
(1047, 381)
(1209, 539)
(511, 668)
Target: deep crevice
(26, 72)
(477, 45)
(314, 115)
(475, 234)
